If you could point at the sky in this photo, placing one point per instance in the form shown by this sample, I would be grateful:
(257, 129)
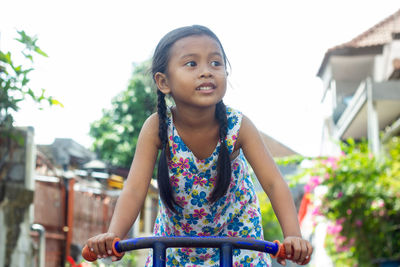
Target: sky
(275, 49)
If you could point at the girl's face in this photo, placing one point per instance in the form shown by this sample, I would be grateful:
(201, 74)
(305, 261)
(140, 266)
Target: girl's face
(196, 74)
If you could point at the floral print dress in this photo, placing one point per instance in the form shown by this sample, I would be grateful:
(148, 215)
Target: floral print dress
(237, 214)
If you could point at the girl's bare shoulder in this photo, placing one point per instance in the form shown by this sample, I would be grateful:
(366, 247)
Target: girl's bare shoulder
(247, 131)
(150, 129)
(152, 121)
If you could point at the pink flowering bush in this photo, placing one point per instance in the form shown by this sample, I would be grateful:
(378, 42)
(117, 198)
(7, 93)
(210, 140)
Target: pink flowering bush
(362, 202)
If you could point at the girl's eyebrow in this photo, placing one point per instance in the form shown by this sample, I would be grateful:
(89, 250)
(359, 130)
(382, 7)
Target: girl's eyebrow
(188, 55)
(216, 54)
(194, 54)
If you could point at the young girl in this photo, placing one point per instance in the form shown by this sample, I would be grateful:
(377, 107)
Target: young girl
(204, 183)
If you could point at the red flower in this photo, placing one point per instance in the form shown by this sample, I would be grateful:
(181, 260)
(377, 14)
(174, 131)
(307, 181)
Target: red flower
(199, 213)
(252, 212)
(199, 180)
(174, 181)
(232, 234)
(204, 234)
(181, 201)
(186, 227)
(183, 163)
(72, 262)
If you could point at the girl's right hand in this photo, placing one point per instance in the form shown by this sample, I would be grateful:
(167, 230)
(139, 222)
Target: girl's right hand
(101, 245)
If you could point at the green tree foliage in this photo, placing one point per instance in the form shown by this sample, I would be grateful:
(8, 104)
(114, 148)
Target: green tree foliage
(14, 83)
(116, 133)
(14, 90)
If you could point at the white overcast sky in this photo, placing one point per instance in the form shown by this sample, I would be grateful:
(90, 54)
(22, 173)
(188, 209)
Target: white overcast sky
(275, 49)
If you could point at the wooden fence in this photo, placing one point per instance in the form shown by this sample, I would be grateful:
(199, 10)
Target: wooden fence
(70, 217)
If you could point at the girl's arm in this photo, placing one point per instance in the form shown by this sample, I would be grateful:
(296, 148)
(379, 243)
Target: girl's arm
(135, 189)
(277, 190)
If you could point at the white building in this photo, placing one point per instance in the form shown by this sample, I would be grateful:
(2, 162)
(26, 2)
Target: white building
(356, 82)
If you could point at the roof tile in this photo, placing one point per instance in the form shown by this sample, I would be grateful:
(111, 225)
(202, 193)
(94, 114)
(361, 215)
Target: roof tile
(379, 34)
(370, 41)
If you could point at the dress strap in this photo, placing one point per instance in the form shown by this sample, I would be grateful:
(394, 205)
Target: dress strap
(234, 123)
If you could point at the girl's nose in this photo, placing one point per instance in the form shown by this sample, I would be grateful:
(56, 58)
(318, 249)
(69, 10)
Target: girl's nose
(205, 72)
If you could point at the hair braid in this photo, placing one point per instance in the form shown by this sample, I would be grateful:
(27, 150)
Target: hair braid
(162, 118)
(164, 184)
(224, 163)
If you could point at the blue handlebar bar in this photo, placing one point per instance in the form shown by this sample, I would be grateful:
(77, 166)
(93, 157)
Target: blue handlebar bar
(225, 244)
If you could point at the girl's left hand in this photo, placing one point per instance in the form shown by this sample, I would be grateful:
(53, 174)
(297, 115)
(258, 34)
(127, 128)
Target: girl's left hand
(297, 250)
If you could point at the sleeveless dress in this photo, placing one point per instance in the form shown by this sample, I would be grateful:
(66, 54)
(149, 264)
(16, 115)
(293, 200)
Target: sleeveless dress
(237, 214)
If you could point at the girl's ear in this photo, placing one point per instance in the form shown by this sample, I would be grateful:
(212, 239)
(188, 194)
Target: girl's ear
(162, 83)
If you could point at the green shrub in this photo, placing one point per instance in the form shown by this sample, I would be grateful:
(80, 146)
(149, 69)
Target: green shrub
(270, 224)
(361, 202)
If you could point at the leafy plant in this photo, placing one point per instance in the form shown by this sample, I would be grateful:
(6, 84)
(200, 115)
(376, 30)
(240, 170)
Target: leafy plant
(361, 201)
(116, 133)
(14, 89)
(270, 224)
(271, 227)
(14, 81)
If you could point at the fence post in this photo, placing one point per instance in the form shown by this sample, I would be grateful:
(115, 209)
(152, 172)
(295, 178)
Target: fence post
(70, 215)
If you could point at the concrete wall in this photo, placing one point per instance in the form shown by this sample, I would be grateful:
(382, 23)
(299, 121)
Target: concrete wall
(16, 198)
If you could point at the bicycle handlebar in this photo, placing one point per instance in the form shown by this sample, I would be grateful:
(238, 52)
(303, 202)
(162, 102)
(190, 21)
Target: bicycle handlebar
(159, 245)
(91, 256)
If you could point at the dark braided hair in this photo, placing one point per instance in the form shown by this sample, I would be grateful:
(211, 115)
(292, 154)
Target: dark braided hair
(160, 64)
(224, 163)
(164, 184)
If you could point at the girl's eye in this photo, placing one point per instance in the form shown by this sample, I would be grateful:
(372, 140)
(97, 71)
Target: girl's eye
(216, 63)
(191, 64)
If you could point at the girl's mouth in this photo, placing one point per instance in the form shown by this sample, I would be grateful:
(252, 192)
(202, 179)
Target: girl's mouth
(206, 87)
